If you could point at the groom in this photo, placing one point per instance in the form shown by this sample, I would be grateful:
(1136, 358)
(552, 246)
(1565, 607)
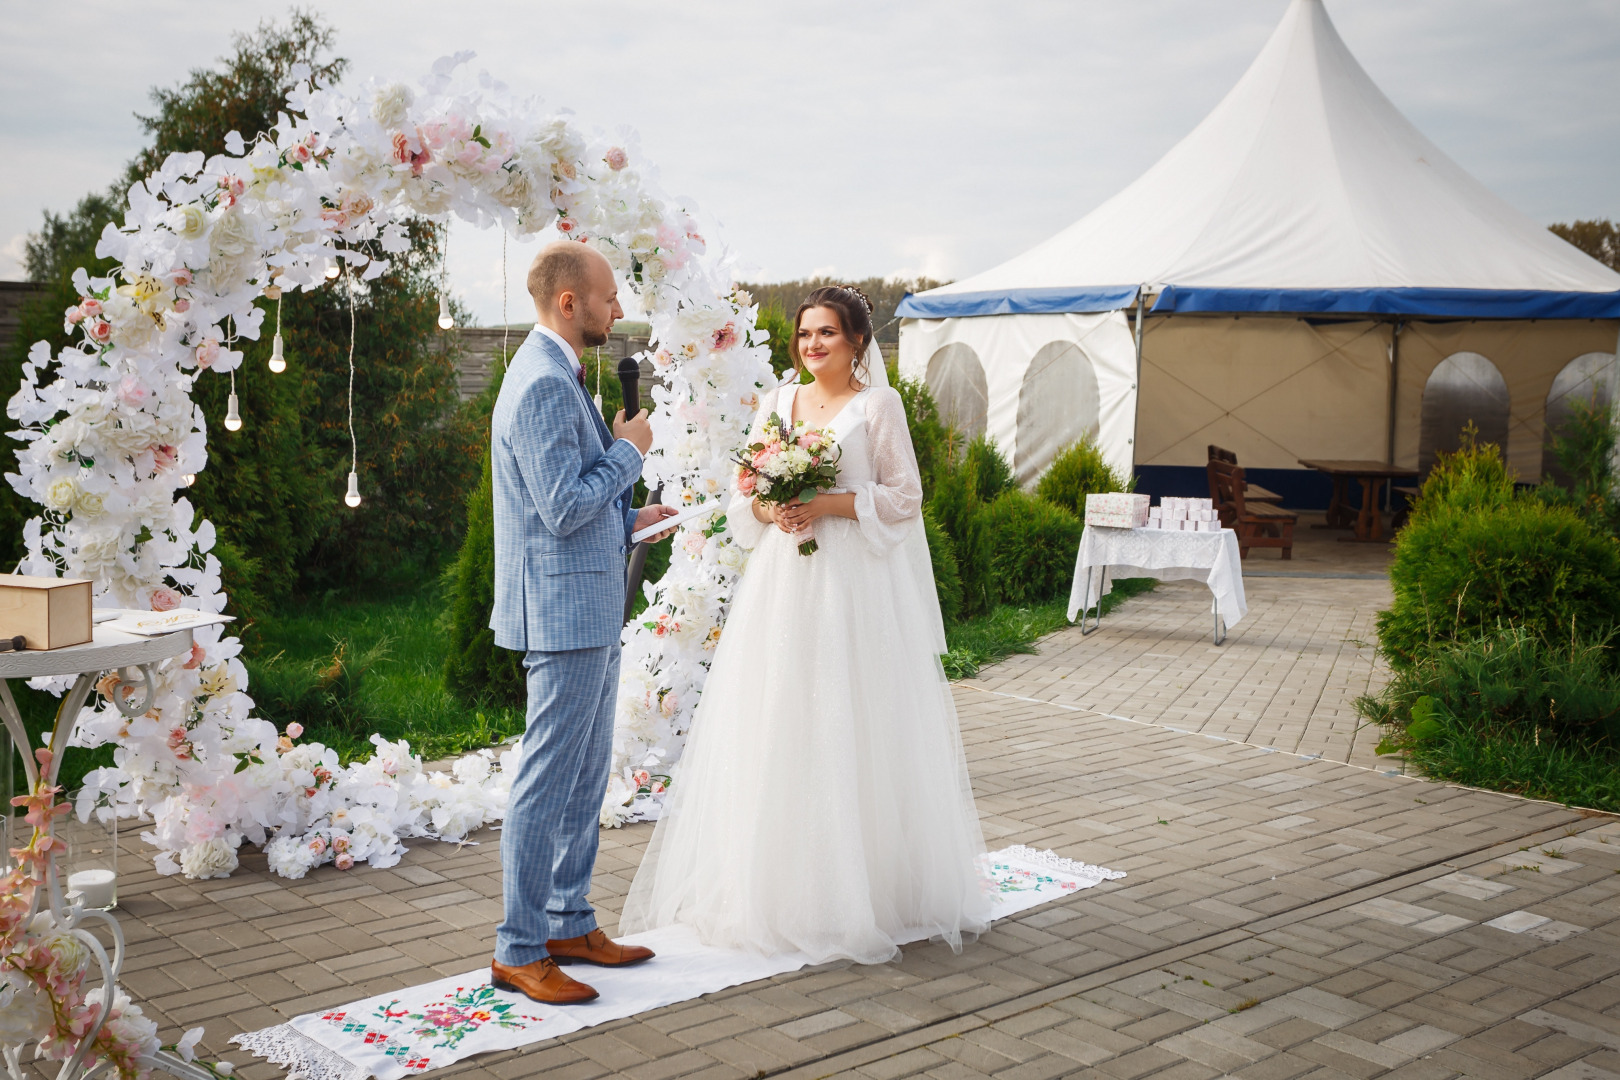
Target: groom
(562, 486)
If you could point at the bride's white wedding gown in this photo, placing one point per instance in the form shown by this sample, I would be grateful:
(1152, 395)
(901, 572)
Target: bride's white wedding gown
(822, 805)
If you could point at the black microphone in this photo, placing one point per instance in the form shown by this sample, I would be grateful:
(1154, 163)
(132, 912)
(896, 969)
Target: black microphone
(630, 384)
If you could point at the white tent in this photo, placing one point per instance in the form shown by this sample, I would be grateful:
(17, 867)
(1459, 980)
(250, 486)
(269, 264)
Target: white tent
(1304, 193)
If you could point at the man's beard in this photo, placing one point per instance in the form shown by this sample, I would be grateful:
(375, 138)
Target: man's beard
(595, 336)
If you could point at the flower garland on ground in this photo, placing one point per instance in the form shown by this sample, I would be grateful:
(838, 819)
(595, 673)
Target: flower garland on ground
(111, 433)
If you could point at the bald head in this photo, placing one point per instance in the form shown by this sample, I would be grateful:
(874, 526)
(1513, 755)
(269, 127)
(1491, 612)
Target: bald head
(575, 293)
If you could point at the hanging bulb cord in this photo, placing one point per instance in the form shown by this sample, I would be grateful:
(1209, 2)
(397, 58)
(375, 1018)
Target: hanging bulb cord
(278, 316)
(354, 447)
(506, 323)
(230, 339)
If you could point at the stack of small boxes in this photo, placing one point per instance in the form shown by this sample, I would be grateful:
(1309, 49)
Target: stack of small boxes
(1186, 515)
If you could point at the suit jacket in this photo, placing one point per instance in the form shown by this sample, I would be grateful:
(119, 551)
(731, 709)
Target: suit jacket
(563, 514)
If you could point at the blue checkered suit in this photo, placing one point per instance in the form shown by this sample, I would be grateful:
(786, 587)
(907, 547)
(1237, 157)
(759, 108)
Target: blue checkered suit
(563, 518)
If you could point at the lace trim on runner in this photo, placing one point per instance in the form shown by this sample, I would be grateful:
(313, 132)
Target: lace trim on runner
(1052, 859)
(301, 1055)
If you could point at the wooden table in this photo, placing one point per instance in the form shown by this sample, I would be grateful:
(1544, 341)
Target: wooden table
(1372, 475)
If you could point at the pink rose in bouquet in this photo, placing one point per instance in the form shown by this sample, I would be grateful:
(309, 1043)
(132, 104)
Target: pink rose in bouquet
(790, 463)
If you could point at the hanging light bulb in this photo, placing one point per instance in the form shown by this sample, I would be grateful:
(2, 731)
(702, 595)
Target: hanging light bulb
(353, 496)
(190, 478)
(446, 320)
(332, 272)
(278, 361)
(233, 419)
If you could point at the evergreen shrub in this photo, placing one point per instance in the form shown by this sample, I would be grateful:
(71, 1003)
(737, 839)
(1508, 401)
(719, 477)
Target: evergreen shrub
(1079, 470)
(477, 669)
(1032, 545)
(947, 577)
(930, 439)
(1460, 573)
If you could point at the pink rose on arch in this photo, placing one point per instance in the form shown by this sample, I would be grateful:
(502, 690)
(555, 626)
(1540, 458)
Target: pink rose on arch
(657, 787)
(207, 352)
(300, 153)
(616, 158)
(90, 306)
(165, 599)
(163, 457)
(182, 305)
(294, 730)
(640, 777)
(132, 392)
(100, 331)
(232, 185)
(402, 149)
(198, 655)
(725, 337)
(74, 316)
(181, 277)
(694, 544)
(565, 226)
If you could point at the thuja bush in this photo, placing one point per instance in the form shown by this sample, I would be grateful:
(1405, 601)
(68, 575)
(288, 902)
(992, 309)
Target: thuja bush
(1032, 547)
(947, 576)
(930, 438)
(476, 669)
(1459, 574)
(960, 495)
(1080, 470)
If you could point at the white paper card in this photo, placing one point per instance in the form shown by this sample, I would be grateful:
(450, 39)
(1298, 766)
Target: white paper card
(670, 522)
(153, 623)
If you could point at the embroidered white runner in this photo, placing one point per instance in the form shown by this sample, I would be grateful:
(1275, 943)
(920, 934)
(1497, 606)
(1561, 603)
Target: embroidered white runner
(425, 1027)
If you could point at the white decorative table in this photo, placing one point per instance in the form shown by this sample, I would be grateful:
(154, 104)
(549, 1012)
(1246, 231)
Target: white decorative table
(133, 658)
(1210, 557)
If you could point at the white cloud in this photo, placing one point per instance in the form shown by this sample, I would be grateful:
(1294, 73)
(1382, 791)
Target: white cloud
(937, 137)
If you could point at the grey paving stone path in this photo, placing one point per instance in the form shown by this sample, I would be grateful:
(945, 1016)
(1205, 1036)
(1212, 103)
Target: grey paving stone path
(1284, 915)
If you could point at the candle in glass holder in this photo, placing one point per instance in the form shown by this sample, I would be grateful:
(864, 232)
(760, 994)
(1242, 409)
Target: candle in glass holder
(96, 888)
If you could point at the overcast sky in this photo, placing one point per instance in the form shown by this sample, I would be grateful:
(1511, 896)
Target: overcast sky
(872, 138)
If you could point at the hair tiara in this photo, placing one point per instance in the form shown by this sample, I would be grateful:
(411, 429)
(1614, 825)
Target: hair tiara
(857, 294)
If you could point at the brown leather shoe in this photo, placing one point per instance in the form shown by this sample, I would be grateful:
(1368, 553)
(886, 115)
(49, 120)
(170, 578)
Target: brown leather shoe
(541, 981)
(596, 948)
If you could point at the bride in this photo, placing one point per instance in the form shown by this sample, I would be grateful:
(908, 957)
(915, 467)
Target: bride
(823, 804)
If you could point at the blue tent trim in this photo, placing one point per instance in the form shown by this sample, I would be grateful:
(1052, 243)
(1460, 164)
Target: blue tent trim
(936, 305)
(1436, 303)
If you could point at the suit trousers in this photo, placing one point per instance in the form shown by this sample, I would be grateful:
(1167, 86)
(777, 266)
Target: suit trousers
(548, 843)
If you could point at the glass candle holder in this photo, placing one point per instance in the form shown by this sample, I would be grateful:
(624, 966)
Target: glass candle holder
(89, 869)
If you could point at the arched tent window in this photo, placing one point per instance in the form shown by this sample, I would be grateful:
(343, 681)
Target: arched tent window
(1056, 406)
(1463, 387)
(1585, 378)
(956, 379)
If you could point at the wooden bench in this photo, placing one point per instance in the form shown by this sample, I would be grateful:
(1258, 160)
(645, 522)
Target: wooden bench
(1400, 513)
(1251, 492)
(1256, 524)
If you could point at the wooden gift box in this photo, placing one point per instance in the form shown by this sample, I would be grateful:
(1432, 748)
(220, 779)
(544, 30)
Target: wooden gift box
(50, 613)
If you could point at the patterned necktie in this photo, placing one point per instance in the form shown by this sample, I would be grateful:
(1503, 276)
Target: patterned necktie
(580, 371)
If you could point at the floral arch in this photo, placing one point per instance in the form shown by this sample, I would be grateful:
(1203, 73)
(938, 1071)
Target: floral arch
(111, 435)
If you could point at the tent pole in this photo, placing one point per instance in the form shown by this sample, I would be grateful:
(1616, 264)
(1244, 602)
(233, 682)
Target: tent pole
(1394, 384)
(1136, 418)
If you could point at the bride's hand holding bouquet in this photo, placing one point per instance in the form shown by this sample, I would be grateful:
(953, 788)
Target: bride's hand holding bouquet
(785, 471)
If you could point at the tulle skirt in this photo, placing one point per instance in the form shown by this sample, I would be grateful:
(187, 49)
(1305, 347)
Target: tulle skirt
(822, 805)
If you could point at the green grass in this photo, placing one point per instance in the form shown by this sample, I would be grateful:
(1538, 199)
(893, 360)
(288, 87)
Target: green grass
(1528, 763)
(1006, 631)
(348, 667)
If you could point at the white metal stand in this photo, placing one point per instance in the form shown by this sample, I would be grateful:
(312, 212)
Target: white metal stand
(133, 658)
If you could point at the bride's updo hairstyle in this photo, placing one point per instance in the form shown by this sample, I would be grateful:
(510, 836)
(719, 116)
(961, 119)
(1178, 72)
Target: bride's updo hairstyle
(854, 313)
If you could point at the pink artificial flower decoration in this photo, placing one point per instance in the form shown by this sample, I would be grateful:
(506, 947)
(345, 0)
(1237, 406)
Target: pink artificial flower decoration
(657, 787)
(194, 661)
(344, 861)
(294, 730)
(165, 599)
(181, 277)
(318, 845)
(132, 392)
(616, 158)
(100, 331)
(90, 306)
(232, 185)
(207, 352)
(402, 149)
(163, 457)
(340, 843)
(182, 305)
(640, 777)
(74, 316)
(725, 337)
(565, 226)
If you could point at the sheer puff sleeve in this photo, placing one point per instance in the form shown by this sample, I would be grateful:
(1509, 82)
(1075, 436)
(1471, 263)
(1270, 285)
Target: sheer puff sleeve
(744, 527)
(887, 507)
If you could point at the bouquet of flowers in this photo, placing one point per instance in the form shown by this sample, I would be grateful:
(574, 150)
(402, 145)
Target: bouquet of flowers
(791, 461)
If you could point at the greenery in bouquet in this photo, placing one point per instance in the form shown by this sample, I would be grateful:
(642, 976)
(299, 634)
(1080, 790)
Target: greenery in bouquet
(790, 462)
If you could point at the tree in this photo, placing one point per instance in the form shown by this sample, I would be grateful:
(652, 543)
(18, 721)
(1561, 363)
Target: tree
(1599, 238)
(274, 489)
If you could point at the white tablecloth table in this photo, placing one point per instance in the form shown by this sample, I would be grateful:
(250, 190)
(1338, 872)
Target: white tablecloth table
(1210, 557)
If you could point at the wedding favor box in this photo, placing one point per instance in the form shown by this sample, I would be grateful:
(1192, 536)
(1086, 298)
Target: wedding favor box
(50, 613)
(1117, 510)
(1184, 515)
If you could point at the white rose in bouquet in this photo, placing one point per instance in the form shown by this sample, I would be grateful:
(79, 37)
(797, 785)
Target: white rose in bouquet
(390, 104)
